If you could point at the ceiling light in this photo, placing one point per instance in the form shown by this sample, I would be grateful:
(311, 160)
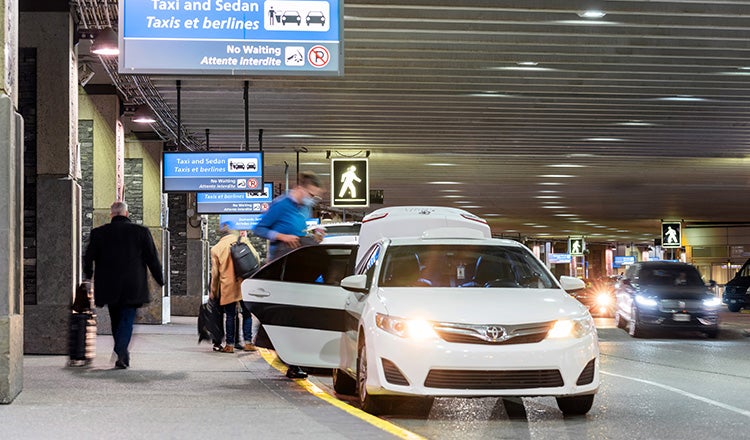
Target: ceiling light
(566, 165)
(463, 202)
(444, 183)
(293, 135)
(453, 196)
(449, 190)
(491, 215)
(681, 98)
(548, 197)
(106, 43)
(635, 123)
(549, 191)
(550, 183)
(527, 63)
(471, 206)
(437, 164)
(604, 139)
(490, 95)
(143, 115)
(526, 68)
(564, 215)
(556, 176)
(592, 13)
(555, 207)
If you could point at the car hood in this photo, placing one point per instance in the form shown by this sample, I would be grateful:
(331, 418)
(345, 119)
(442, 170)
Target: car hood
(674, 292)
(480, 305)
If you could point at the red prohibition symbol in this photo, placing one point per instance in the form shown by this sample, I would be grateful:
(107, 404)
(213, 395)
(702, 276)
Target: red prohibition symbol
(318, 56)
(252, 183)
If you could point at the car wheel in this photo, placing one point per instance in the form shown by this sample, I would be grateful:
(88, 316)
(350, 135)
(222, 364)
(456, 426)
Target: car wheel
(619, 321)
(734, 307)
(372, 404)
(343, 383)
(634, 328)
(575, 405)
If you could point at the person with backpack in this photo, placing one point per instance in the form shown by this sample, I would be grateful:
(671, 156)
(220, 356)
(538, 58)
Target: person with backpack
(225, 285)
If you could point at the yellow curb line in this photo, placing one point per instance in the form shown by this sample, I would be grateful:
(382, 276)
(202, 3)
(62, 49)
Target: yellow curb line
(270, 357)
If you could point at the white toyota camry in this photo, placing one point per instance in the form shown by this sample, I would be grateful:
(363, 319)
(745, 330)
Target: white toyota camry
(448, 313)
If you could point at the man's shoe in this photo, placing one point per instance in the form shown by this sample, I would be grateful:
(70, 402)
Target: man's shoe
(120, 365)
(294, 372)
(227, 349)
(250, 347)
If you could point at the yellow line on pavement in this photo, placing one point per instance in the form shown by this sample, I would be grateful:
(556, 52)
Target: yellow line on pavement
(273, 360)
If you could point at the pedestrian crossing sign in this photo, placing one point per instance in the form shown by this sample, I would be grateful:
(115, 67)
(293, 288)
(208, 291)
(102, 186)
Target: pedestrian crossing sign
(576, 245)
(671, 234)
(350, 186)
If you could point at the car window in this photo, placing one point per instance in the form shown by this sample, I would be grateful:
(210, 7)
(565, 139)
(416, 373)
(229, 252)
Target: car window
(744, 271)
(670, 276)
(368, 265)
(318, 265)
(271, 271)
(462, 266)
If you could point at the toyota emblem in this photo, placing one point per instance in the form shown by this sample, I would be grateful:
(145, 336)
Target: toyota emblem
(493, 333)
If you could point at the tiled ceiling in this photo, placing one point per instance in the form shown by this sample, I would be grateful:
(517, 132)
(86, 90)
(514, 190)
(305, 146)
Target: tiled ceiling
(546, 123)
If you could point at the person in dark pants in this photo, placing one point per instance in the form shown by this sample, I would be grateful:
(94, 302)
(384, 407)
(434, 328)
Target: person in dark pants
(284, 225)
(118, 255)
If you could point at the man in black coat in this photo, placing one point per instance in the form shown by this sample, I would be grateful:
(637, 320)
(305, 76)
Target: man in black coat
(119, 253)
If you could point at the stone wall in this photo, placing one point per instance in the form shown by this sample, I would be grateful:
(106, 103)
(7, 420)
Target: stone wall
(134, 189)
(86, 139)
(178, 243)
(27, 76)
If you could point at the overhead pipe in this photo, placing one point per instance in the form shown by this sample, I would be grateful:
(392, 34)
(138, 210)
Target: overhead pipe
(179, 115)
(247, 115)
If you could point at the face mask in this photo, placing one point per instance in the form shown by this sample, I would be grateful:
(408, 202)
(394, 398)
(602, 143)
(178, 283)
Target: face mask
(308, 201)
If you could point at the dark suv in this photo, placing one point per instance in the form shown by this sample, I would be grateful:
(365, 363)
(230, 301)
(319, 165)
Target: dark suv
(662, 294)
(736, 295)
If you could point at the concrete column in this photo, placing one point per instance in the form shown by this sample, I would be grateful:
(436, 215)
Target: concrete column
(197, 263)
(158, 310)
(11, 211)
(58, 190)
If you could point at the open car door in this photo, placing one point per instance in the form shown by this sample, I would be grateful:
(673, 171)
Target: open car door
(300, 305)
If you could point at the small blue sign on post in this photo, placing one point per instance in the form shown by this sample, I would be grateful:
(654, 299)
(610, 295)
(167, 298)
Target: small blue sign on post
(201, 171)
(235, 202)
(559, 258)
(231, 37)
(240, 222)
(623, 260)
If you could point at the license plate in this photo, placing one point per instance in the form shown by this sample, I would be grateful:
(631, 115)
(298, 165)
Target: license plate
(681, 317)
(733, 301)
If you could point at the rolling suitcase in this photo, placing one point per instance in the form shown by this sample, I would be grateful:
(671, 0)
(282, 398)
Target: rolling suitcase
(82, 338)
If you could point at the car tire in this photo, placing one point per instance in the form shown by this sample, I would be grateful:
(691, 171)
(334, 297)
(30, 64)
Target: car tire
(734, 307)
(374, 405)
(634, 328)
(619, 321)
(343, 383)
(575, 405)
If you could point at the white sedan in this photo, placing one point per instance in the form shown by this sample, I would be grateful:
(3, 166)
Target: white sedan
(448, 314)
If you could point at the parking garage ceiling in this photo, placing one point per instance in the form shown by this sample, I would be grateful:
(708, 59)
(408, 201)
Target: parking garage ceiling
(543, 121)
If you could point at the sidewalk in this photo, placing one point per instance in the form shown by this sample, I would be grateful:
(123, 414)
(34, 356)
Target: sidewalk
(175, 389)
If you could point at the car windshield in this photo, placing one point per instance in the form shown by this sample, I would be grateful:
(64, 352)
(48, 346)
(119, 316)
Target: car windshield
(670, 276)
(462, 266)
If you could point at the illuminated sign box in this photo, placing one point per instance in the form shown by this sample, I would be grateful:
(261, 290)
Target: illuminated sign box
(559, 258)
(623, 260)
(231, 37)
(235, 202)
(202, 171)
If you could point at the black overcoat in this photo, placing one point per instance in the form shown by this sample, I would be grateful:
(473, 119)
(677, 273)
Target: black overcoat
(117, 255)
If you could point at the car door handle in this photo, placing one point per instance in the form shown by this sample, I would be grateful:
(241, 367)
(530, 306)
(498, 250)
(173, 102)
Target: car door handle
(260, 292)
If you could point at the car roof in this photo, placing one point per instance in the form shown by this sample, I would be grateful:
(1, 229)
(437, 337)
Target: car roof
(404, 241)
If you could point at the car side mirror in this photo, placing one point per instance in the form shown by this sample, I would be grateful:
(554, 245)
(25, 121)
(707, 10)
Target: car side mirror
(571, 283)
(355, 283)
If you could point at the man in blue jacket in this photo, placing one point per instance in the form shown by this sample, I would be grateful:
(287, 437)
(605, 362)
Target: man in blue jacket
(285, 224)
(118, 254)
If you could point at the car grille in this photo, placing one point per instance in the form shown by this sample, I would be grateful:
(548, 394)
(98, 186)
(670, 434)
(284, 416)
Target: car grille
(493, 334)
(587, 375)
(393, 374)
(676, 305)
(493, 380)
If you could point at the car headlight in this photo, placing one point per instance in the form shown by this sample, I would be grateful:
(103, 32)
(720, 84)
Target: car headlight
(712, 302)
(603, 299)
(646, 302)
(405, 328)
(572, 328)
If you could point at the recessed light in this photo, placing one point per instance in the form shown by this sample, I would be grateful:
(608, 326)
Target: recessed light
(453, 196)
(548, 191)
(555, 207)
(491, 215)
(490, 95)
(592, 13)
(604, 139)
(471, 206)
(550, 183)
(556, 176)
(635, 123)
(566, 165)
(681, 98)
(444, 183)
(527, 63)
(526, 68)
(548, 197)
(579, 221)
(540, 226)
(297, 135)
(564, 215)
(463, 202)
(438, 164)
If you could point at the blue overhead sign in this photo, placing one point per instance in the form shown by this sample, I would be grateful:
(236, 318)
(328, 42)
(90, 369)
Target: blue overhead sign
(235, 202)
(231, 37)
(240, 222)
(204, 171)
(623, 260)
(559, 258)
